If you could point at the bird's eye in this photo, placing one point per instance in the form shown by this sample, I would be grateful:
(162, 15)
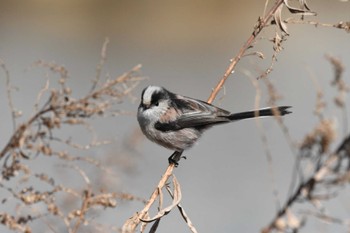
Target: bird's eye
(156, 98)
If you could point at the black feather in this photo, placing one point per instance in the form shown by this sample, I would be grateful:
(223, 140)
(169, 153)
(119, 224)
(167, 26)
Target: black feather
(283, 110)
(165, 127)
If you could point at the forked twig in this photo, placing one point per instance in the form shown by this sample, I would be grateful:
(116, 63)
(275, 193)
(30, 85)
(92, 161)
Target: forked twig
(183, 213)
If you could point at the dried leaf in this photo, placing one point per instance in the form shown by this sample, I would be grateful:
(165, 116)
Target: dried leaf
(304, 10)
(343, 25)
(278, 20)
(277, 43)
(323, 135)
(338, 68)
(260, 55)
(304, 4)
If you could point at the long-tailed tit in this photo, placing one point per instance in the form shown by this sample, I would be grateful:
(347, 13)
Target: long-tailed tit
(176, 122)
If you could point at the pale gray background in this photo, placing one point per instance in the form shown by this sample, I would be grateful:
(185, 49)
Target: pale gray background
(184, 46)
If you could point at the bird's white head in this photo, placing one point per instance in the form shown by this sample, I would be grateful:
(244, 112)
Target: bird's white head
(149, 94)
(154, 102)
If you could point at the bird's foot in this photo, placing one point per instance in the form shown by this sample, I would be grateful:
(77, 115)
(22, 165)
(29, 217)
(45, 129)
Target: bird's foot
(175, 158)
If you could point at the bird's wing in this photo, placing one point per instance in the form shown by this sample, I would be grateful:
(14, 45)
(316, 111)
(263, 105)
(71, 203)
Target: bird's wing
(193, 113)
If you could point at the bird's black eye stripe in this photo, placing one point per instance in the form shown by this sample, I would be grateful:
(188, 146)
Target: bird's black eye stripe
(156, 97)
(154, 103)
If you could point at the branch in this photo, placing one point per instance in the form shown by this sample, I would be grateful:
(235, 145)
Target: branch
(233, 62)
(306, 188)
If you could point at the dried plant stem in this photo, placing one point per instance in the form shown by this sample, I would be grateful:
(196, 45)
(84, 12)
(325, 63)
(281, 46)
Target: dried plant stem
(183, 213)
(103, 58)
(131, 224)
(37, 136)
(162, 182)
(265, 142)
(261, 24)
(340, 25)
(305, 189)
(18, 134)
(9, 95)
(84, 208)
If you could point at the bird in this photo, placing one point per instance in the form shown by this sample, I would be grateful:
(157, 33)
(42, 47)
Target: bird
(177, 122)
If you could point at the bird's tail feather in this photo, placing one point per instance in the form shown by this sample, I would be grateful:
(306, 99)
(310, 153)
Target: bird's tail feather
(283, 110)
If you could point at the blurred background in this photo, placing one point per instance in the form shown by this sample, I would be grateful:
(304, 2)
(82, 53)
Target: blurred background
(184, 46)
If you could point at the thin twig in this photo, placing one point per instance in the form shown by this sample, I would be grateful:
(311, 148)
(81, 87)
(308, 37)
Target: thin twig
(183, 213)
(266, 145)
(9, 95)
(340, 25)
(261, 24)
(100, 65)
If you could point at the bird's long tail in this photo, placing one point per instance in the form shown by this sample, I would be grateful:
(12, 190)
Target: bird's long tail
(281, 110)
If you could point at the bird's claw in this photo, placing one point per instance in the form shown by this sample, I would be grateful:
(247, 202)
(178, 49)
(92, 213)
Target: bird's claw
(175, 158)
(173, 161)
